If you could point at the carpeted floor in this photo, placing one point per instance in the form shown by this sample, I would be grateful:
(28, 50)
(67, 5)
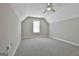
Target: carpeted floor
(45, 47)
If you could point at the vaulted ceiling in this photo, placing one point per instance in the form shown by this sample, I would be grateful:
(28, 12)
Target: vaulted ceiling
(36, 10)
(33, 9)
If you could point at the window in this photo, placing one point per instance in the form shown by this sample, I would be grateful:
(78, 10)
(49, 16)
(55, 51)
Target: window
(36, 26)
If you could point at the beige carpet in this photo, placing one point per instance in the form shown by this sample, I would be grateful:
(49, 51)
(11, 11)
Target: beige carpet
(45, 47)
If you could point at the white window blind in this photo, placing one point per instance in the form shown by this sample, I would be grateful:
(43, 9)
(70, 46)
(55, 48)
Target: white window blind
(36, 26)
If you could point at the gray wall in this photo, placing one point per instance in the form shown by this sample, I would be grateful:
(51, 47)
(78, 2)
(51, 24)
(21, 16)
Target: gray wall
(66, 30)
(9, 28)
(27, 28)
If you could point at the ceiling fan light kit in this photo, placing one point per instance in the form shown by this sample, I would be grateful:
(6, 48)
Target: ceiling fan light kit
(49, 8)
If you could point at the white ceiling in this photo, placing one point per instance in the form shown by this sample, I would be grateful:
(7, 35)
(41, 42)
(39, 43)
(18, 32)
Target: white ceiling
(34, 9)
(63, 11)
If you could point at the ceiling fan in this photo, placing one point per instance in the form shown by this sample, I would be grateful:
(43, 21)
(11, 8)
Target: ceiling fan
(49, 8)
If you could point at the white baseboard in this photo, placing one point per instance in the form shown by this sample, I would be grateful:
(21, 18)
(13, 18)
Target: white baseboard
(66, 41)
(16, 48)
(27, 37)
(33, 37)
